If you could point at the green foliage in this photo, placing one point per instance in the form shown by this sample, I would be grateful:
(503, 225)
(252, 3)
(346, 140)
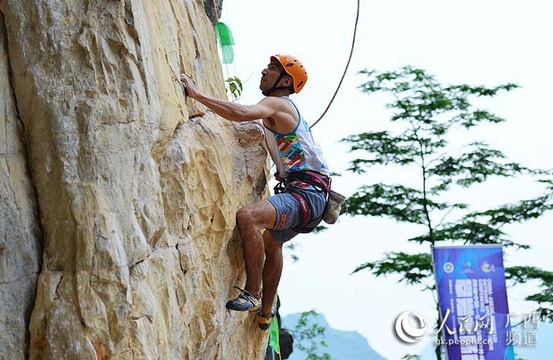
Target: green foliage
(234, 87)
(430, 116)
(523, 274)
(399, 202)
(413, 268)
(309, 337)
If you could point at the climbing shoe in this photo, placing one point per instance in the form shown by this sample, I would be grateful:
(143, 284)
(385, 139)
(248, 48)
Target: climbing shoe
(244, 302)
(264, 320)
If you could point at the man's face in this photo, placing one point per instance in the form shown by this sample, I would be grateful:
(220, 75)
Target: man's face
(270, 74)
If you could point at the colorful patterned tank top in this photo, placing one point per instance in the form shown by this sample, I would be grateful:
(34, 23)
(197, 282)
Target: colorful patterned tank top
(295, 151)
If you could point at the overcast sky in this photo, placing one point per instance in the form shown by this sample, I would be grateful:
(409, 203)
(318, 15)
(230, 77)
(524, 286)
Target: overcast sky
(475, 42)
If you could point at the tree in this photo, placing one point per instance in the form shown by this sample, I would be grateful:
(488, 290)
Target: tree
(428, 114)
(309, 336)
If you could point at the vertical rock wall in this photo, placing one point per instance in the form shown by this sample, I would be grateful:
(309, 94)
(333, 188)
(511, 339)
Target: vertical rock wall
(124, 188)
(20, 235)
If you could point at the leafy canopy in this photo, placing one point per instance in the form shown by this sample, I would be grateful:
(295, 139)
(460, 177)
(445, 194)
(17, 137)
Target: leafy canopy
(430, 116)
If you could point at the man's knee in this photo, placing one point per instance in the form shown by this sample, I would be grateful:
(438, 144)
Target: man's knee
(261, 215)
(243, 216)
(248, 217)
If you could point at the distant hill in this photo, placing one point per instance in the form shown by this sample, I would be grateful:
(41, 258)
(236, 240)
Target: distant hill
(342, 345)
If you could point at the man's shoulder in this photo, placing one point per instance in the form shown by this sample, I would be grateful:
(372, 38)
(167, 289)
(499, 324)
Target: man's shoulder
(282, 105)
(274, 100)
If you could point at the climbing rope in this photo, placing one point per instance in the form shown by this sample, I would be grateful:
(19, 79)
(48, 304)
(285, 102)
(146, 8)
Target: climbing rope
(347, 65)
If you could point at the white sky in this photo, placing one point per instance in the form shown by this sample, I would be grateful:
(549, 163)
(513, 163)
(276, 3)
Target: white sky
(476, 42)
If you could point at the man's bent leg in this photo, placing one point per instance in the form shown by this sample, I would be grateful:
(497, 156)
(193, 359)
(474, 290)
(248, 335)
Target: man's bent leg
(251, 220)
(272, 271)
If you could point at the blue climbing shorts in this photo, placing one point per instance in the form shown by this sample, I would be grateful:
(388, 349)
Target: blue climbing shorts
(289, 213)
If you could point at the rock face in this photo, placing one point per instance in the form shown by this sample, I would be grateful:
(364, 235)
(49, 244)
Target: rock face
(118, 194)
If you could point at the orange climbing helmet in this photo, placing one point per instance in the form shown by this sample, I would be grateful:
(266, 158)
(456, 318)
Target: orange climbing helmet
(294, 68)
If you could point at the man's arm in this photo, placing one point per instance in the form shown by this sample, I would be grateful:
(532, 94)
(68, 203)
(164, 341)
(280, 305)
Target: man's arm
(230, 110)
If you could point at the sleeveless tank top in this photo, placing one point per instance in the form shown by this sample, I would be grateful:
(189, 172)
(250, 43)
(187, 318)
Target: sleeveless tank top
(297, 150)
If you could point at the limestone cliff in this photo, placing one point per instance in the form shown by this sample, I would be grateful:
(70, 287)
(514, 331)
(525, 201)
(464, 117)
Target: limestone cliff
(118, 194)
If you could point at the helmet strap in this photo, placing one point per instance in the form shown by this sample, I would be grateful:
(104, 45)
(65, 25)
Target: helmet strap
(275, 87)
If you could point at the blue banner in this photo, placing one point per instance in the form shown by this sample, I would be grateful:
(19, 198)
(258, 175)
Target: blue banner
(473, 302)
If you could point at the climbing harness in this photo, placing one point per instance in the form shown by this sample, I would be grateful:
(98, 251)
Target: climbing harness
(319, 182)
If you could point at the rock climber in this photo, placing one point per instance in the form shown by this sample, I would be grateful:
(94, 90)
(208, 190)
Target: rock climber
(301, 195)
